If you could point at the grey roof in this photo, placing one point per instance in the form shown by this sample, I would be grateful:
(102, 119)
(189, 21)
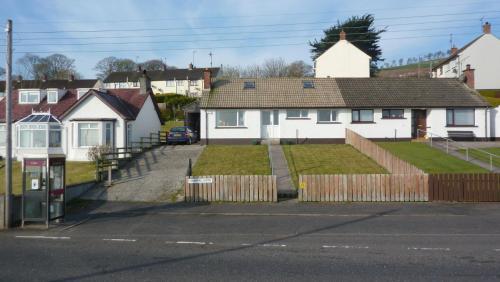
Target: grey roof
(52, 83)
(341, 93)
(163, 75)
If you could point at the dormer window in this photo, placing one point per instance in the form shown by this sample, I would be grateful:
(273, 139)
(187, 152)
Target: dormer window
(308, 84)
(52, 96)
(249, 85)
(29, 96)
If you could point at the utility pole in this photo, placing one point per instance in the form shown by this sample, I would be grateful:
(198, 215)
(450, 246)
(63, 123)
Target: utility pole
(211, 55)
(8, 122)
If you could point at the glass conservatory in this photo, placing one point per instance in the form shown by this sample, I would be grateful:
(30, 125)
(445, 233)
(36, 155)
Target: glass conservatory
(39, 130)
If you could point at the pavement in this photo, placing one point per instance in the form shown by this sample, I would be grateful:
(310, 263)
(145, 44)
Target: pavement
(284, 181)
(273, 242)
(156, 176)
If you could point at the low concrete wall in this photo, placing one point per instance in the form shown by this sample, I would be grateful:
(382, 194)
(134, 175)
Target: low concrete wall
(75, 191)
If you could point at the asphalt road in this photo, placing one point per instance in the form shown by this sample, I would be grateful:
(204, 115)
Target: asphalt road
(276, 242)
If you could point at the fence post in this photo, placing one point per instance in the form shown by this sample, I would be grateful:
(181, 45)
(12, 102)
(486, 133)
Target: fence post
(190, 168)
(110, 168)
(491, 163)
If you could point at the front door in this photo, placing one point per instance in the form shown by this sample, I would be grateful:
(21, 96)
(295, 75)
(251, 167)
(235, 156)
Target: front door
(269, 124)
(418, 121)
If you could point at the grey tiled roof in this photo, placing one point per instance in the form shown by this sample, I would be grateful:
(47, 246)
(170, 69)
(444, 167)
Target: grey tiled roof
(341, 93)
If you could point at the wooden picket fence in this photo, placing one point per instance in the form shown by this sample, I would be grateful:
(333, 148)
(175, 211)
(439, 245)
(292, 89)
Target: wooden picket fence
(231, 188)
(364, 188)
(484, 187)
(383, 157)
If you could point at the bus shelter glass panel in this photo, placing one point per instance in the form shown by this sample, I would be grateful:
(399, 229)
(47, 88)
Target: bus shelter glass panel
(35, 190)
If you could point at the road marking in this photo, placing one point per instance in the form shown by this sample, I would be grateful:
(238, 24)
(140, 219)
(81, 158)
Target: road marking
(246, 244)
(44, 237)
(120, 240)
(344, 247)
(194, 243)
(273, 245)
(429, 249)
(301, 214)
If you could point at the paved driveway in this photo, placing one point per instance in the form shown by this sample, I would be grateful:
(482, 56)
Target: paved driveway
(155, 177)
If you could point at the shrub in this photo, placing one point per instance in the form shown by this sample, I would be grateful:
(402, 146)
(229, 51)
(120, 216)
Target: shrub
(96, 152)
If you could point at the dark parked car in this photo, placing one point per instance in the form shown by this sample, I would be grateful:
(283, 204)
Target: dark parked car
(181, 134)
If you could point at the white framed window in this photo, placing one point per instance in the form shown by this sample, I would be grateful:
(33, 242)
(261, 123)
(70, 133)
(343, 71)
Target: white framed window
(81, 92)
(170, 83)
(52, 97)
(32, 136)
(129, 134)
(327, 116)
(29, 96)
(135, 84)
(88, 134)
(108, 134)
(460, 117)
(193, 82)
(230, 118)
(123, 85)
(55, 136)
(179, 82)
(297, 113)
(362, 116)
(3, 133)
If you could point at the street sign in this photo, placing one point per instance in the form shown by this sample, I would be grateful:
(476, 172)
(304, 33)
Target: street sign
(200, 180)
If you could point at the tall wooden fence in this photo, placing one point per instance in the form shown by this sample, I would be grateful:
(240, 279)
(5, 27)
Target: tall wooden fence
(364, 188)
(383, 157)
(231, 188)
(483, 187)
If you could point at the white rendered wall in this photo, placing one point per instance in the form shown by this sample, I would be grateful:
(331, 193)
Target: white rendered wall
(495, 122)
(436, 123)
(343, 60)
(146, 122)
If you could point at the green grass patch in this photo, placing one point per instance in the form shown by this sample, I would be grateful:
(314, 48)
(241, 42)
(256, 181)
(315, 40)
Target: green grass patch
(327, 159)
(476, 154)
(430, 160)
(76, 172)
(492, 96)
(233, 160)
(171, 123)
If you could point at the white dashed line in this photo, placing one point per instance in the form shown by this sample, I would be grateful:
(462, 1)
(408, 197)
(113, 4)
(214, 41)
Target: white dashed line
(345, 247)
(44, 237)
(194, 243)
(429, 249)
(120, 240)
(273, 245)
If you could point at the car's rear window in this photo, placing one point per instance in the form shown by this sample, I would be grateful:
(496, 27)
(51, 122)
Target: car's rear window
(178, 129)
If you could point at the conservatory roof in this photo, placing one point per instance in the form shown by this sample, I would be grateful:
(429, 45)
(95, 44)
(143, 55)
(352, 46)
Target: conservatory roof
(41, 118)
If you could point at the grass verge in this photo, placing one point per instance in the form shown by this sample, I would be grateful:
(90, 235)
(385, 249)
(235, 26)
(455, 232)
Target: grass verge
(430, 160)
(475, 154)
(327, 159)
(233, 160)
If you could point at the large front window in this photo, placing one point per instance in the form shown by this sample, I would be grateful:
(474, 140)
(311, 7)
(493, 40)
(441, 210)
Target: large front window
(297, 113)
(33, 136)
(362, 115)
(230, 118)
(88, 134)
(327, 116)
(55, 136)
(460, 117)
(29, 97)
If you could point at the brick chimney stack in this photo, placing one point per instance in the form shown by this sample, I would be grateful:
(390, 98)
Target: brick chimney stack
(144, 83)
(487, 28)
(469, 76)
(342, 35)
(454, 50)
(207, 79)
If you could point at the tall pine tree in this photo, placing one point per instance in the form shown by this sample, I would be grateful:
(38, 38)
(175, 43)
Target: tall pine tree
(360, 31)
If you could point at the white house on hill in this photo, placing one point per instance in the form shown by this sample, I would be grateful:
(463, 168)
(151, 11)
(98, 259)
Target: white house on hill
(482, 54)
(342, 60)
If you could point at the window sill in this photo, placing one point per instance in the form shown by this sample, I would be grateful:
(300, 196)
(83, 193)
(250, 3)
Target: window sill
(394, 118)
(329, 122)
(231, 127)
(292, 118)
(461, 125)
(362, 122)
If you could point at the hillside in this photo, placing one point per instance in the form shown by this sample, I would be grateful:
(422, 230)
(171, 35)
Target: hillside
(412, 70)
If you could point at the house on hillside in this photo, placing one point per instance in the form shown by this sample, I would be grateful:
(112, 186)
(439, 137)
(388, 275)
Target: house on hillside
(187, 82)
(482, 54)
(318, 110)
(342, 60)
(68, 117)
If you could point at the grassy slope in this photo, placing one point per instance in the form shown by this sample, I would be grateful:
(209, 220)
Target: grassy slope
(171, 123)
(429, 159)
(76, 172)
(233, 160)
(327, 159)
(491, 97)
(423, 65)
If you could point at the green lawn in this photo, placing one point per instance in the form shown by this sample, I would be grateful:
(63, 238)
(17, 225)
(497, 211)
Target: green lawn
(76, 172)
(429, 159)
(233, 160)
(492, 96)
(327, 159)
(171, 123)
(485, 157)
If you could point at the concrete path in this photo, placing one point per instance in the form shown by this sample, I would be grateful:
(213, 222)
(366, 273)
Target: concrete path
(156, 176)
(280, 167)
(452, 151)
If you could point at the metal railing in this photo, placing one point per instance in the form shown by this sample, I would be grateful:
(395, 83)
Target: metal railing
(457, 146)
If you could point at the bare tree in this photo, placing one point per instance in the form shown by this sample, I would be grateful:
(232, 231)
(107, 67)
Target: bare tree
(274, 68)
(112, 64)
(299, 69)
(153, 65)
(56, 66)
(231, 72)
(26, 65)
(253, 71)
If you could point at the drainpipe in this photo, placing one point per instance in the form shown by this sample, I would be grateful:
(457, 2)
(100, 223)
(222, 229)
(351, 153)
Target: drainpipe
(486, 123)
(206, 127)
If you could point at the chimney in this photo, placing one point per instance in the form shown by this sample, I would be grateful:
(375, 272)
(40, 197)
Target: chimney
(469, 76)
(164, 67)
(342, 35)
(454, 51)
(19, 78)
(139, 68)
(71, 77)
(44, 77)
(487, 28)
(145, 83)
(190, 66)
(207, 79)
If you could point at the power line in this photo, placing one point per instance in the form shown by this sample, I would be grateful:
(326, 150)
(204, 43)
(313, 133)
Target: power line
(233, 26)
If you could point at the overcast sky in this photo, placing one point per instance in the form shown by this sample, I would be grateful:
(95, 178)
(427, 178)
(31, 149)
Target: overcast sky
(237, 32)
